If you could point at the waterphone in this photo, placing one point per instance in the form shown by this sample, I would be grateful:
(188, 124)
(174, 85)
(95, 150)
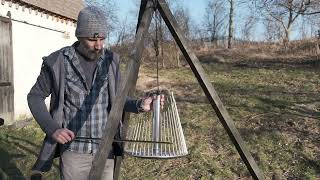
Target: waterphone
(157, 134)
(147, 8)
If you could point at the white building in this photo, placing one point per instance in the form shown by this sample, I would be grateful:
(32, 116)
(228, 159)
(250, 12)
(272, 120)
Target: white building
(29, 30)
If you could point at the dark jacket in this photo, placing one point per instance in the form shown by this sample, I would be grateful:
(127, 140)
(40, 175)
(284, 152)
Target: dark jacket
(53, 67)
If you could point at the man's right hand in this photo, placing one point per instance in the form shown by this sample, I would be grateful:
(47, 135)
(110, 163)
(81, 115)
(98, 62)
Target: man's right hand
(63, 135)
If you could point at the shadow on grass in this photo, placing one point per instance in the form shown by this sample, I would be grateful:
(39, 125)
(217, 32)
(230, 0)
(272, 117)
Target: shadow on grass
(17, 143)
(275, 64)
(13, 148)
(8, 168)
(272, 110)
(315, 164)
(295, 149)
(259, 63)
(265, 97)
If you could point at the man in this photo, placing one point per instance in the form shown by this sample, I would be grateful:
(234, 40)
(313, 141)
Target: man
(82, 80)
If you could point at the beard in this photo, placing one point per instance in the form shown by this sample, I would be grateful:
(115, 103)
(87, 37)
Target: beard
(91, 54)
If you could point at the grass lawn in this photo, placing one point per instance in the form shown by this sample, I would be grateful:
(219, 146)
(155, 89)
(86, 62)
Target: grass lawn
(275, 107)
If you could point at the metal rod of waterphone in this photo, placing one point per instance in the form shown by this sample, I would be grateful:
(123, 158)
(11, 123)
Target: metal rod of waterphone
(156, 124)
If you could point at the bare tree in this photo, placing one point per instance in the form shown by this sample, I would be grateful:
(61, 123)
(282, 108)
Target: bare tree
(157, 35)
(286, 12)
(231, 23)
(109, 7)
(304, 30)
(248, 26)
(124, 33)
(313, 23)
(197, 31)
(165, 39)
(214, 19)
(272, 30)
(182, 16)
(310, 7)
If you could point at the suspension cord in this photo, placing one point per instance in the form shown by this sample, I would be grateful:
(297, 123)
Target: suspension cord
(156, 42)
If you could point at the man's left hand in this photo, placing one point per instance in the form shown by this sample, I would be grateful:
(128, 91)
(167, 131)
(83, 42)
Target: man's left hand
(147, 103)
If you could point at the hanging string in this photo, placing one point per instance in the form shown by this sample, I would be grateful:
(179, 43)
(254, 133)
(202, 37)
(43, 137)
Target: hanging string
(156, 42)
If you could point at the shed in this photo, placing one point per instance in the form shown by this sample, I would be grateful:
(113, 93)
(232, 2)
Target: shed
(29, 30)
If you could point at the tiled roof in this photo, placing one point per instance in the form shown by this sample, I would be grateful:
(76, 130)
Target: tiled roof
(66, 8)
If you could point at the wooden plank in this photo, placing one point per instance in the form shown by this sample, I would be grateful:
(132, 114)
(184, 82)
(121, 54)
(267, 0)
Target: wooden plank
(117, 167)
(5, 84)
(6, 104)
(208, 89)
(126, 84)
(6, 71)
(10, 54)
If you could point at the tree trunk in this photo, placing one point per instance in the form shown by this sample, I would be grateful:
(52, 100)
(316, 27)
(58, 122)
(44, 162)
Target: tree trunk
(231, 25)
(285, 39)
(177, 55)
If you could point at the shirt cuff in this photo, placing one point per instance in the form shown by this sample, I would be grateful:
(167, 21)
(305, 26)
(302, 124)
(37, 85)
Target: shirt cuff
(139, 105)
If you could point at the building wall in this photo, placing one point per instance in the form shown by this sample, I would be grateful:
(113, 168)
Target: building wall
(30, 43)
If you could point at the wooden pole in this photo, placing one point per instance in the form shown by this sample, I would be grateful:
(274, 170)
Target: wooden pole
(126, 84)
(143, 6)
(208, 89)
(126, 117)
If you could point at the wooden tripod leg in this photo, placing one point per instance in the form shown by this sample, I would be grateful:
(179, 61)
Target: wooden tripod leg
(126, 116)
(126, 84)
(208, 89)
(117, 165)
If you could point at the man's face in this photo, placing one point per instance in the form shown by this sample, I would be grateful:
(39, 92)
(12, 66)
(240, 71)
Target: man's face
(91, 47)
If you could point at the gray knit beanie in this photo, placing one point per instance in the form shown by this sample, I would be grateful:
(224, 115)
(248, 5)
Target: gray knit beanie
(91, 23)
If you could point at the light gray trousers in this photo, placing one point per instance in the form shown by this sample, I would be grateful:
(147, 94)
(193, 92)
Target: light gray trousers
(76, 166)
